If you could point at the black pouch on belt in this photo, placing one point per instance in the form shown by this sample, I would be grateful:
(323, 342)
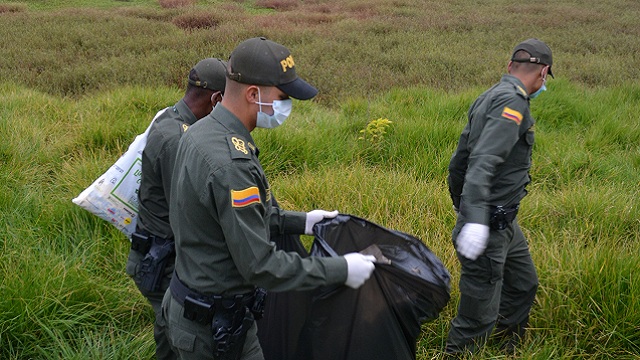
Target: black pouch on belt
(257, 308)
(198, 311)
(140, 242)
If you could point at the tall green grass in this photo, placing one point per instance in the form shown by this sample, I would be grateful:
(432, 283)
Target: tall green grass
(65, 294)
(81, 79)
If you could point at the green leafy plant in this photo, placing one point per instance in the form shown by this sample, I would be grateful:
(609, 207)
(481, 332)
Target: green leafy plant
(375, 130)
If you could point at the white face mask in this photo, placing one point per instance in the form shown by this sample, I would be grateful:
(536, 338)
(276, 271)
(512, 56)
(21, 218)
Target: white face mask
(281, 110)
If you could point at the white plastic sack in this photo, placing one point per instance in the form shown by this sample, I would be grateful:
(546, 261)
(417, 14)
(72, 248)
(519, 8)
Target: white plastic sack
(114, 195)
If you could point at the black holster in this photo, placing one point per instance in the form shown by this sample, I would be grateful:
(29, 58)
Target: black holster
(151, 270)
(229, 317)
(231, 322)
(502, 216)
(230, 326)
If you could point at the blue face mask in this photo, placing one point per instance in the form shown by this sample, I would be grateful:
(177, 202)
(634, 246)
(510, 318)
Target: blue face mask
(535, 94)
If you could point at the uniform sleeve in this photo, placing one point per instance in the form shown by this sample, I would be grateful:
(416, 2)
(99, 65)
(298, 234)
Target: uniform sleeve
(286, 222)
(457, 168)
(166, 162)
(490, 149)
(241, 202)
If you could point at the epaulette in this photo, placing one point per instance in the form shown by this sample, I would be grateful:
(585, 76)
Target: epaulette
(240, 149)
(521, 91)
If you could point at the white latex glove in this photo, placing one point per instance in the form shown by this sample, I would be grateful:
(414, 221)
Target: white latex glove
(314, 216)
(472, 240)
(359, 269)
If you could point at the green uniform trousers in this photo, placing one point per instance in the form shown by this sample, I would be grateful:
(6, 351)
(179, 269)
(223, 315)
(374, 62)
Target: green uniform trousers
(163, 348)
(496, 290)
(191, 340)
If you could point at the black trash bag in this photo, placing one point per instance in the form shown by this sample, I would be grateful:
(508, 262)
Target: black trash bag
(285, 312)
(381, 319)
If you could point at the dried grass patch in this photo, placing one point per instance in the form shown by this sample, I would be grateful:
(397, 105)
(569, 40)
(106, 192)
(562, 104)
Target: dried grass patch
(279, 5)
(12, 7)
(197, 20)
(172, 4)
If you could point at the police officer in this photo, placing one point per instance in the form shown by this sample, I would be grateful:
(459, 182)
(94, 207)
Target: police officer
(152, 253)
(222, 215)
(488, 174)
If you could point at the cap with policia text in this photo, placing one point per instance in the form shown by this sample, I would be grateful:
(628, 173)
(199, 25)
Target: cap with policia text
(539, 51)
(258, 61)
(211, 74)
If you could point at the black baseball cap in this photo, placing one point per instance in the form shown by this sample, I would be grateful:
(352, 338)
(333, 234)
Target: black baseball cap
(539, 51)
(258, 61)
(211, 74)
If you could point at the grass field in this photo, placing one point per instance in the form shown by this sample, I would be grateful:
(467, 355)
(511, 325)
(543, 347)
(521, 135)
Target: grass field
(80, 79)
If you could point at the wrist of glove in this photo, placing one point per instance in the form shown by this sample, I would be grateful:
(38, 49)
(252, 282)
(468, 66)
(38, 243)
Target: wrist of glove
(472, 240)
(315, 216)
(359, 269)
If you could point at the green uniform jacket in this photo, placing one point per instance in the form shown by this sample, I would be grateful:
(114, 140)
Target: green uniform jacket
(222, 217)
(158, 158)
(491, 165)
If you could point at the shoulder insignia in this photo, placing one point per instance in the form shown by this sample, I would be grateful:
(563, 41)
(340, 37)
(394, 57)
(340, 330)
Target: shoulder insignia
(522, 91)
(511, 114)
(242, 198)
(184, 128)
(238, 147)
(252, 147)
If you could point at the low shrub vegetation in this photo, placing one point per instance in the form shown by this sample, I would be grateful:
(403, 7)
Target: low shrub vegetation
(12, 7)
(81, 79)
(171, 4)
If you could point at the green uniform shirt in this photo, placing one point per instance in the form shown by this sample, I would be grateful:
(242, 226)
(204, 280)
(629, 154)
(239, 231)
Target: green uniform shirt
(222, 217)
(491, 165)
(158, 158)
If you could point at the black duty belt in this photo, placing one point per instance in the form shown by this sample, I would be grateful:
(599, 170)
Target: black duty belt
(201, 308)
(502, 216)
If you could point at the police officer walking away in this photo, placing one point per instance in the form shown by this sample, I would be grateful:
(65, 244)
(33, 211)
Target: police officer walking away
(152, 254)
(222, 215)
(488, 174)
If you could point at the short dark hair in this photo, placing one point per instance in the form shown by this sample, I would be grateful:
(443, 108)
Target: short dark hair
(196, 90)
(525, 67)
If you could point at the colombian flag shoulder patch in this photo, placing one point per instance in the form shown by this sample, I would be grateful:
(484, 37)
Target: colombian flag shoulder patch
(511, 114)
(248, 196)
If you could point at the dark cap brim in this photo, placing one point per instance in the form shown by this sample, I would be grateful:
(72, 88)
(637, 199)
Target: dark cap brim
(298, 89)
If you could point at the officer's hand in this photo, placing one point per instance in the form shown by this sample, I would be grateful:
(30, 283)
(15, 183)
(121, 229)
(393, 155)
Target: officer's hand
(359, 269)
(313, 217)
(472, 240)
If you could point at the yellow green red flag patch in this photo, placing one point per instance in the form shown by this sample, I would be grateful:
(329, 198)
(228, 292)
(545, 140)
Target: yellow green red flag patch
(248, 196)
(511, 114)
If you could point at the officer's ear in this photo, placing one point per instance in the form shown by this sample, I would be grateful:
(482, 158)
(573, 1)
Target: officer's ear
(544, 72)
(252, 94)
(216, 97)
